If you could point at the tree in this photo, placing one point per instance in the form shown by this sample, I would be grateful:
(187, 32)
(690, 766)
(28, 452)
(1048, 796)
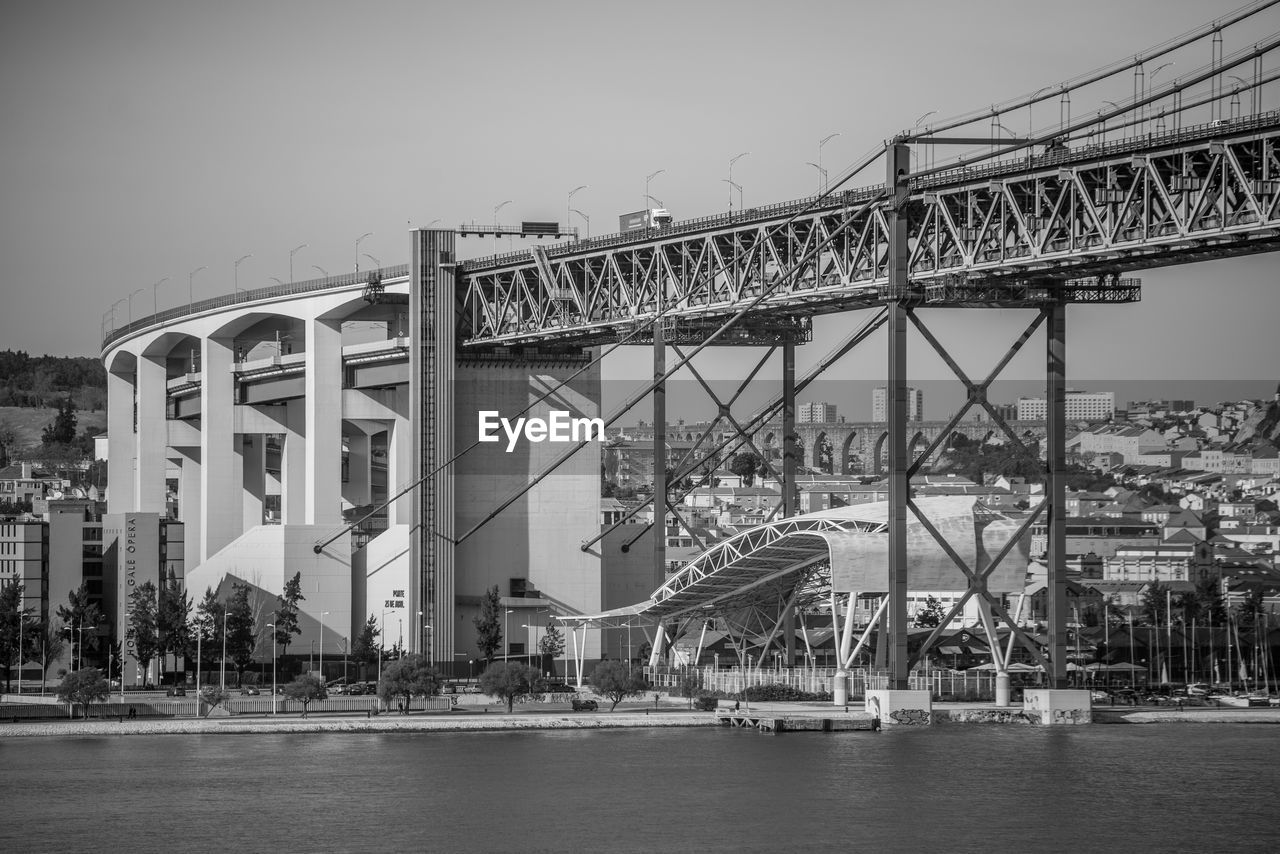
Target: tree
(507, 680)
(409, 677)
(1155, 604)
(51, 644)
(173, 614)
(78, 612)
(62, 430)
(242, 635)
(142, 626)
(17, 630)
(1209, 595)
(1247, 611)
(84, 687)
(304, 689)
(213, 695)
(551, 645)
(931, 614)
(745, 464)
(287, 614)
(207, 625)
(489, 624)
(617, 680)
(366, 650)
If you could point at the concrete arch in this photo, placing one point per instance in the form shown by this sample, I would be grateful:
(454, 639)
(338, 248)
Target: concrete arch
(877, 455)
(823, 453)
(917, 445)
(846, 451)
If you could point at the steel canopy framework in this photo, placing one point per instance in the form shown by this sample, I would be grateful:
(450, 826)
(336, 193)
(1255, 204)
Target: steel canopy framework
(749, 582)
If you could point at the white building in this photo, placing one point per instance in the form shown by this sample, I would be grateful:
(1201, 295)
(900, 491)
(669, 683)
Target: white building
(880, 406)
(1080, 405)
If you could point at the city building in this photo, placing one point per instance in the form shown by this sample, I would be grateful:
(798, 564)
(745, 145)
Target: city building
(880, 405)
(23, 483)
(816, 413)
(1080, 406)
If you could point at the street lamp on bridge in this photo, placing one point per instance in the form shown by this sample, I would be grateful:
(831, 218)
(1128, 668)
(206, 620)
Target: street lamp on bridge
(822, 142)
(568, 205)
(585, 219)
(732, 160)
(822, 175)
(294, 251)
(113, 310)
(236, 271)
(131, 296)
(374, 259)
(155, 295)
(191, 293)
(358, 241)
(733, 186)
(647, 179)
(495, 224)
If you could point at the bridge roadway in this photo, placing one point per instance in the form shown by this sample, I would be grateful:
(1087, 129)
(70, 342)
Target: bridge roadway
(978, 236)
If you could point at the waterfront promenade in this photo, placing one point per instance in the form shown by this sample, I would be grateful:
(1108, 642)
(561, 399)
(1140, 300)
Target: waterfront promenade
(627, 716)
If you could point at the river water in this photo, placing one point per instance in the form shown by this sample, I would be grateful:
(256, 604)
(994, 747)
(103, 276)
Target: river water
(1171, 787)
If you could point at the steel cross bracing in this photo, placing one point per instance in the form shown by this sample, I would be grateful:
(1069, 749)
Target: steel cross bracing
(976, 235)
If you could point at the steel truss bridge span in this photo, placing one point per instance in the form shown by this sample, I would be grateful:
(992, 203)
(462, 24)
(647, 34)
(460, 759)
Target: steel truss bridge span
(978, 237)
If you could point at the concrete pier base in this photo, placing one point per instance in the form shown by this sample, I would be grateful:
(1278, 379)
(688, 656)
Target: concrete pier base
(900, 708)
(1058, 706)
(840, 688)
(1002, 689)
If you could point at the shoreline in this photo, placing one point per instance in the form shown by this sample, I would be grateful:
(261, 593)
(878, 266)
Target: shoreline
(972, 714)
(381, 724)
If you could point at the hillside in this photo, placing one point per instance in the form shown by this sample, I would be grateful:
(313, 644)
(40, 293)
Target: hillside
(42, 381)
(28, 423)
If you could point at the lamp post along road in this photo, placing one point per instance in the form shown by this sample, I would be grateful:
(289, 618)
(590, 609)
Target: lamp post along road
(322, 616)
(155, 295)
(191, 292)
(236, 270)
(294, 251)
(272, 626)
(131, 302)
(585, 219)
(358, 241)
(647, 179)
(732, 160)
(495, 224)
(568, 205)
(506, 641)
(821, 143)
(223, 662)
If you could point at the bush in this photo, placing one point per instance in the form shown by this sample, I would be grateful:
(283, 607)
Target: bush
(706, 703)
(780, 693)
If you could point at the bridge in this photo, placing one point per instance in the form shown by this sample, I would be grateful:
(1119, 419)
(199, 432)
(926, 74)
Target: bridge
(1062, 216)
(856, 447)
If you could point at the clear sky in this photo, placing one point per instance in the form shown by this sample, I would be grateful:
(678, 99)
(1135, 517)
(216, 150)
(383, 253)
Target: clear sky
(142, 140)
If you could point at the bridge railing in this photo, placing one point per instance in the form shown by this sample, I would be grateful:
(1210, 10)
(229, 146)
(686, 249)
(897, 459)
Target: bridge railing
(304, 287)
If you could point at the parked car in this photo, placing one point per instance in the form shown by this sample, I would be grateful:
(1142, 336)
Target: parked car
(249, 691)
(581, 705)
(354, 690)
(175, 691)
